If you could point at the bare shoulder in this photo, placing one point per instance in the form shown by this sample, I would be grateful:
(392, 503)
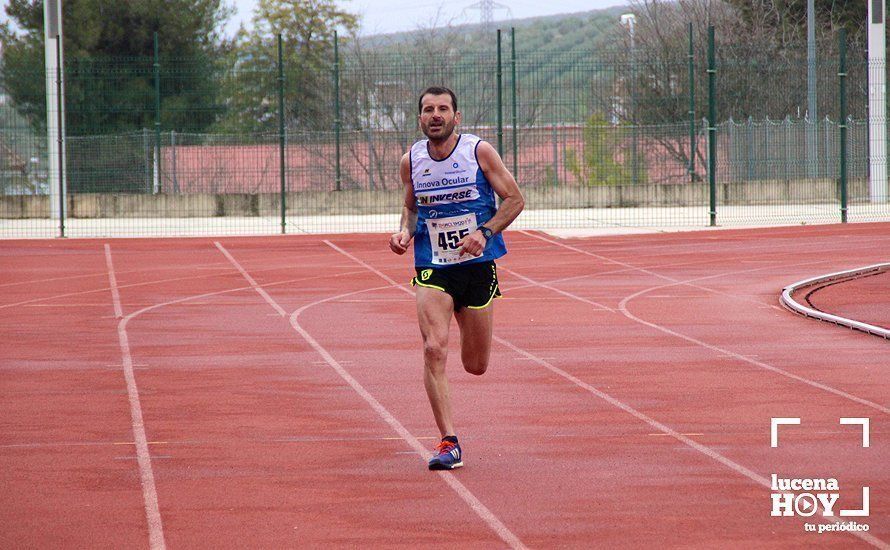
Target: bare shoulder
(405, 168)
(487, 155)
(485, 148)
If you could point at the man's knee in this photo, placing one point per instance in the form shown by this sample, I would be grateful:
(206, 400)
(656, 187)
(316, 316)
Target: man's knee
(435, 353)
(476, 366)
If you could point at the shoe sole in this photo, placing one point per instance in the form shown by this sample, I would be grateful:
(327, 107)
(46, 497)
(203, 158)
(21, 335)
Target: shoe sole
(439, 466)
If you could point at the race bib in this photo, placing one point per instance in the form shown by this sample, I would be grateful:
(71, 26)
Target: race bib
(446, 233)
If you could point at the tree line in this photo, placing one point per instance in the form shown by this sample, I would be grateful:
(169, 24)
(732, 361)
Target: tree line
(208, 81)
(211, 83)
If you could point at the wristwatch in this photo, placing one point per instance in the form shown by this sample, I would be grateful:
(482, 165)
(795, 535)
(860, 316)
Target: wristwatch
(486, 232)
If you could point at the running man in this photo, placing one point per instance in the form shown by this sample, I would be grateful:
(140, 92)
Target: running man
(450, 211)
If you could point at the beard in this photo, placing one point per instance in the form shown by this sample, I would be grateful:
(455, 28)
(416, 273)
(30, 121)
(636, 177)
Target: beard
(438, 133)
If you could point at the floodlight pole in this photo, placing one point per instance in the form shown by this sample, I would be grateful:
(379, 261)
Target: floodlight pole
(877, 109)
(55, 110)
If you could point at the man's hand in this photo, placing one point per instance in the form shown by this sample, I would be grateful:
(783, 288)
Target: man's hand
(473, 244)
(398, 242)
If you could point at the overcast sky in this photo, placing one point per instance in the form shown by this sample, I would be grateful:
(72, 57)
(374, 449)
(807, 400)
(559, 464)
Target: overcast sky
(384, 16)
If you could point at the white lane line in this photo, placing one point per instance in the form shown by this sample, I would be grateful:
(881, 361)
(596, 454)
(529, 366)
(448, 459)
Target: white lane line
(112, 281)
(858, 242)
(532, 282)
(131, 285)
(611, 272)
(323, 439)
(597, 256)
(147, 478)
(156, 534)
(252, 281)
(632, 267)
(419, 449)
(622, 307)
(667, 430)
(606, 397)
(465, 494)
(739, 357)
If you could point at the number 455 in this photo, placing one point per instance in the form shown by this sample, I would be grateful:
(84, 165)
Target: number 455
(448, 240)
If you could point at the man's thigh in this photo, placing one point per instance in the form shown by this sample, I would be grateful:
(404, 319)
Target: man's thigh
(434, 310)
(475, 332)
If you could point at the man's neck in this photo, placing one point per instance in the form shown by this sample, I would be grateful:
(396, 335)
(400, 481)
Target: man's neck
(440, 149)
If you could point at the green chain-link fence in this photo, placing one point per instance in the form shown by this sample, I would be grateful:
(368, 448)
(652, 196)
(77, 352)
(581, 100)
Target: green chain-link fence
(158, 146)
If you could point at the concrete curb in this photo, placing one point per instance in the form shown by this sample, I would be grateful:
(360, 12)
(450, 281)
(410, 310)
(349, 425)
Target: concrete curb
(788, 301)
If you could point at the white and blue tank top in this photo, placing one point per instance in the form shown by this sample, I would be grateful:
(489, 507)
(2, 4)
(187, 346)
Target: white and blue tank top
(453, 199)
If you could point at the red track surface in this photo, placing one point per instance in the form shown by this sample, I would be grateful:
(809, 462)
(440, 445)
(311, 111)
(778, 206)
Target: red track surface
(628, 402)
(865, 299)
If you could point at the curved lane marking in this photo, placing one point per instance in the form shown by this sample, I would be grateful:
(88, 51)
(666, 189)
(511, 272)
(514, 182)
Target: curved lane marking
(465, 494)
(147, 481)
(146, 475)
(622, 307)
(667, 430)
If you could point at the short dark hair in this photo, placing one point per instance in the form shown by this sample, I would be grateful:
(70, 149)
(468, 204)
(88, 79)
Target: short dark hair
(437, 90)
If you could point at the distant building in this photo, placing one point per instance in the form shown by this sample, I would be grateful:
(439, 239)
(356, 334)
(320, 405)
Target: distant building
(387, 106)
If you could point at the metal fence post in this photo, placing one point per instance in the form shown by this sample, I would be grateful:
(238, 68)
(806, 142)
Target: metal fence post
(281, 136)
(826, 147)
(712, 128)
(749, 173)
(339, 178)
(61, 126)
(157, 79)
(555, 154)
(842, 76)
(691, 56)
(173, 161)
(635, 121)
(372, 158)
(500, 129)
(513, 85)
(146, 145)
(731, 151)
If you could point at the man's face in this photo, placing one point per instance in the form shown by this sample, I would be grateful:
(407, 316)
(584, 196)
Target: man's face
(437, 117)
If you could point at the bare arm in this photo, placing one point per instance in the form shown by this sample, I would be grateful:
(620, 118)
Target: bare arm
(398, 242)
(503, 183)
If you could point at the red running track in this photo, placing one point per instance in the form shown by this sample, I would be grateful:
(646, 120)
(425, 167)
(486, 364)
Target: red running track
(865, 299)
(267, 393)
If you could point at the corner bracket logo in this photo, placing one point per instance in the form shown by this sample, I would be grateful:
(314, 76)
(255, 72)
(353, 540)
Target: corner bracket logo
(806, 497)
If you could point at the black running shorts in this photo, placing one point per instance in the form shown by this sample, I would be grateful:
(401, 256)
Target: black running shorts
(473, 285)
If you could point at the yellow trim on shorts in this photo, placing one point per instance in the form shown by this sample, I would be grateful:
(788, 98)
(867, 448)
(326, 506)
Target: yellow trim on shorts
(490, 300)
(415, 282)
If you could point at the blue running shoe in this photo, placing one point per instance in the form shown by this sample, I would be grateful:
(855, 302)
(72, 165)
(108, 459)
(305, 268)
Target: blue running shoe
(447, 457)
